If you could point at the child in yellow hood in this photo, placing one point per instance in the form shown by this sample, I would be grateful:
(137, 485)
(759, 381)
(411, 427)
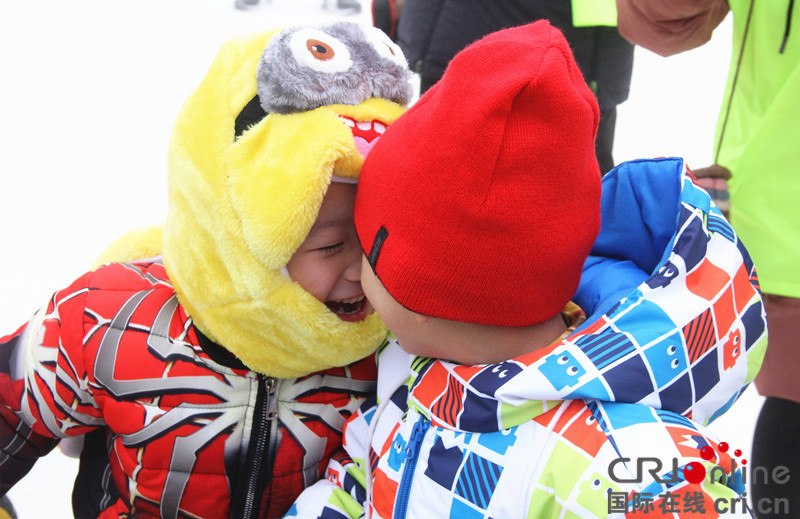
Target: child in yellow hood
(213, 380)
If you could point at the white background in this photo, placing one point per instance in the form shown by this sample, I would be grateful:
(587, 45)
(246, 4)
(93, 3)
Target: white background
(88, 93)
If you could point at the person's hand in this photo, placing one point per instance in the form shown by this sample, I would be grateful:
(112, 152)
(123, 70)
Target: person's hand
(712, 171)
(714, 179)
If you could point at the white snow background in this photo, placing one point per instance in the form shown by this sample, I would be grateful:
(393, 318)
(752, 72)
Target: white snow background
(88, 93)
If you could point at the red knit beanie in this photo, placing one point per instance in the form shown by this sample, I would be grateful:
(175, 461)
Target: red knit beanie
(481, 203)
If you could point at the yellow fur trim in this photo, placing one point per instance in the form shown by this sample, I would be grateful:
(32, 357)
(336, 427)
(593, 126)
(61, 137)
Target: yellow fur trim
(238, 210)
(137, 244)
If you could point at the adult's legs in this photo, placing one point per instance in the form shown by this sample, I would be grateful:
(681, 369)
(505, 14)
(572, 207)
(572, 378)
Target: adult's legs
(774, 473)
(775, 441)
(605, 138)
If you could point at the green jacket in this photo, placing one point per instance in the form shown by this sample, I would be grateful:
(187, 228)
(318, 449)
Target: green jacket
(758, 133)
(758, 130)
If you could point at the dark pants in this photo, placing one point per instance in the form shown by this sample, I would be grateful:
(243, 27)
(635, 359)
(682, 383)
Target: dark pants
(775, 492)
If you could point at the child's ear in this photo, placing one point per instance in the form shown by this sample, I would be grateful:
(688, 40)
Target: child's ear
(422, 319)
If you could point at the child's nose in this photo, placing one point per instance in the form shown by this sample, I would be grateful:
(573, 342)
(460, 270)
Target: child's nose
(353, 270)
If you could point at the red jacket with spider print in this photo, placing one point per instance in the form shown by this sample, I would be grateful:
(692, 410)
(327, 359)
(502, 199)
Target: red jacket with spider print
(182, 428)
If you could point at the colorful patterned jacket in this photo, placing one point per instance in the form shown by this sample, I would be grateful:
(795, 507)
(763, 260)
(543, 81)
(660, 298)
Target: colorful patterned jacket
(185, 429)
(607, 422)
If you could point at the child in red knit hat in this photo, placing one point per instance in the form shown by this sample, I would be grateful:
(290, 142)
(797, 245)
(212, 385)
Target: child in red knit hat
(479, 214)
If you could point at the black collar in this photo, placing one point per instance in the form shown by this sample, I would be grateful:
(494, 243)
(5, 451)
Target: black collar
(218, 353)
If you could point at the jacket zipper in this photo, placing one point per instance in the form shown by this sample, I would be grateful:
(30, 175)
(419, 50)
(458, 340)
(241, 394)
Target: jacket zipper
(261, 450)
(718, 146)
(412, 455)
(788, 26)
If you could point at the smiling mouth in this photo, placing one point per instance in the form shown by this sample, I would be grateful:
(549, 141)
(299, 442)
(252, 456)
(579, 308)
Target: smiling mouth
(350, 310)
(365, 133)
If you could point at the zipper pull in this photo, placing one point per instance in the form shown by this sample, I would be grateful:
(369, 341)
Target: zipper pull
(417, 435)
(272, 403)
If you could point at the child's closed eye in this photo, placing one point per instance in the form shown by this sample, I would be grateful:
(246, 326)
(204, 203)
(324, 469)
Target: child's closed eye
(331, 248)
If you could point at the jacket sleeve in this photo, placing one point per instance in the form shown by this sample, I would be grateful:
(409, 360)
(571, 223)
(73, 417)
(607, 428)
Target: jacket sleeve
(20, 447)
(669, 26)
(342, 494)
(712, 498)
(668, 468)
(43, 394)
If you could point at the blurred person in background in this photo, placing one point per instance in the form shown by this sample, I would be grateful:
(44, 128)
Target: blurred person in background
(431, 32)
(755, 150)
(337, 6)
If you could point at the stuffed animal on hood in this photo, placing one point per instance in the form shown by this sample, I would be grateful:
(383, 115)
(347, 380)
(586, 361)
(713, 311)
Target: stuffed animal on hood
(253, 151)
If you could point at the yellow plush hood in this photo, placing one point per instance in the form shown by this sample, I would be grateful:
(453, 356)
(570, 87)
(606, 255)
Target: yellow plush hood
(250, 159)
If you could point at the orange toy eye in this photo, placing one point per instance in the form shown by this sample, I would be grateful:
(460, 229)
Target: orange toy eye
(320, 50)
(385, 47)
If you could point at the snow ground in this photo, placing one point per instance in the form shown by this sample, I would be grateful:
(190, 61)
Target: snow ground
(88, 96)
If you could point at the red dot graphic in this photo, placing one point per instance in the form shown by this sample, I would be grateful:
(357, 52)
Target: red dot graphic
(694, 472)
(707, 453)
(723, 446)
(737, 452)
(744, 462)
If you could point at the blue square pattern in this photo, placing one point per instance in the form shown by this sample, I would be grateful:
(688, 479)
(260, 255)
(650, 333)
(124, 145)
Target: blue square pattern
(461, 510)
(477, 480)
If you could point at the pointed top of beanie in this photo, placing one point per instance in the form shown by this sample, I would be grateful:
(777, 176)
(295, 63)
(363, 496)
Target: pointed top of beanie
(481, 203)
